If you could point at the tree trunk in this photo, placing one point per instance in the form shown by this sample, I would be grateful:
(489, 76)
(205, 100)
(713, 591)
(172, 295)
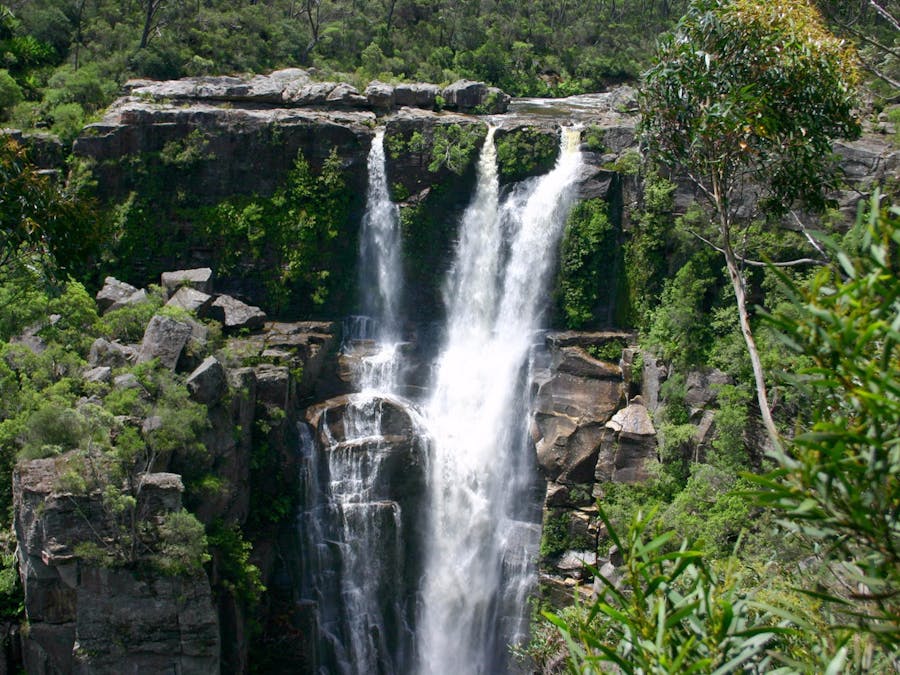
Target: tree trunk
(148, 22)
(740, 295)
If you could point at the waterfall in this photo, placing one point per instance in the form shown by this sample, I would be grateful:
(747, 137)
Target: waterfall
(379, 249)
(480, 471)
(357, 468)
(420, 530)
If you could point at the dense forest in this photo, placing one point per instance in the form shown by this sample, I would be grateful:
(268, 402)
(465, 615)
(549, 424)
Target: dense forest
(64, 60)
(774, 548)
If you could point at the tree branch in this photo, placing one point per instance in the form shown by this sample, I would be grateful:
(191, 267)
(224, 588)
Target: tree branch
(760, 263)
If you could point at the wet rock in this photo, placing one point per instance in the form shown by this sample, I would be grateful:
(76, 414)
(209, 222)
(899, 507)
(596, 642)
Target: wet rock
(199, 279)
(164, 339)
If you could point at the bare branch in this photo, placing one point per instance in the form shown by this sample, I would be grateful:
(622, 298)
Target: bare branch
(760, 263)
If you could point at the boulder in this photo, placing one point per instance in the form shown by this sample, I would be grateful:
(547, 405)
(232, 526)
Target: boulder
(208, 382)
(495, 102)
(701, 387)
(380, 96)
(273, 385)
(98, 374)
(136, 298)
(112, 354)
(164, 339)
(628, 446)
(464, 95)
(200, 279)
(113, 291)
(347, 96)
(417, 95)
(234, 314)
(576, 361)
(190, 299)
(310, 93)
(127, 381)
(575, 563)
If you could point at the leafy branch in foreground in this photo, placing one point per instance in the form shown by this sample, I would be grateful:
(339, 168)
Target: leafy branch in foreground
(671, 613)
(839, 483)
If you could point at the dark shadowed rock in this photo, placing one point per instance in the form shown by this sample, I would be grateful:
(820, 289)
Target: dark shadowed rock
(464, 95)
(164, 339)
(89, 619)
(208, 382)
(235, 314)
(417, 95)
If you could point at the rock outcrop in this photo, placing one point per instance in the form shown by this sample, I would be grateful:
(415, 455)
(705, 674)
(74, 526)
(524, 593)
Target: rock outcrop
(86, 618)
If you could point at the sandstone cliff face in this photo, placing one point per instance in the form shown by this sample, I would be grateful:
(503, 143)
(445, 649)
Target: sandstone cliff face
(84, 618)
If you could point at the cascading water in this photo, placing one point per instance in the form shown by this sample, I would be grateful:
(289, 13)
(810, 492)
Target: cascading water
(480, 473)
(353, 517)
(366, 475)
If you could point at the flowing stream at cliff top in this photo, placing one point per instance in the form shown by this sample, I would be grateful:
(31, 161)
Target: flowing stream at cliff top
(477, 549)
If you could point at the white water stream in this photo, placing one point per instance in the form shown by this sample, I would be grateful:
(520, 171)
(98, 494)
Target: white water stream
(377, 613)
(478, 476)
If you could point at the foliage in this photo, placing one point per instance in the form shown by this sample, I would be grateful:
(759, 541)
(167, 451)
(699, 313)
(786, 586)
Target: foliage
(839, 484)
(609, 351)
(559, 536)
(524, 153)
(679, 332)
(745, 100)
(587, 264)
(236, 573)
(646, 248)
(182, 549)
(39, 217)
(749, 90)
(10, 92)
(678, 614)
(455, 147)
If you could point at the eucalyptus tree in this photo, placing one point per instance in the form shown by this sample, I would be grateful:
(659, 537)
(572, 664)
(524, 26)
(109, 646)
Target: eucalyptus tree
(744, 101)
